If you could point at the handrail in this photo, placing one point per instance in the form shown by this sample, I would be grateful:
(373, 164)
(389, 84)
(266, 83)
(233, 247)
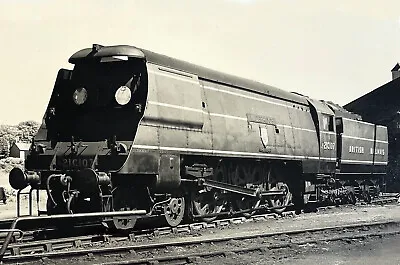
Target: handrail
(21, 233)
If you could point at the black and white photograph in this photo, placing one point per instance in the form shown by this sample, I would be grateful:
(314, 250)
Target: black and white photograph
(200, 132)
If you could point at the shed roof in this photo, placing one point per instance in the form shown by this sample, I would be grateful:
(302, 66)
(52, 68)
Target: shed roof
(378, 105)
(23, 146)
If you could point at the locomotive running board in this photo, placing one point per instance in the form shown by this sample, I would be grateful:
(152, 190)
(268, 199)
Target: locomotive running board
(240, 190)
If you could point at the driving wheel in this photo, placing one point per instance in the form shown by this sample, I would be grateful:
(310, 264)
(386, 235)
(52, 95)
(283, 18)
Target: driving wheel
(174, 211)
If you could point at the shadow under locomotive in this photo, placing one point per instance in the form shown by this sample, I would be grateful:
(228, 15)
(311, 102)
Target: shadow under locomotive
(128, 129)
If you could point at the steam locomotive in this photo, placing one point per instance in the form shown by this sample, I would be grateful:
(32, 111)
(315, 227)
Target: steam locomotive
(131, 129)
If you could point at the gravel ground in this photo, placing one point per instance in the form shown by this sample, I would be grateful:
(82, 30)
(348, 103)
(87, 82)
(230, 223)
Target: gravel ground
(329, 217)
(382, 251)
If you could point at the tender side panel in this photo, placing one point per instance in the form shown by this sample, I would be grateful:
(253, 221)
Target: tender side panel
(381, 149)
(357, 141)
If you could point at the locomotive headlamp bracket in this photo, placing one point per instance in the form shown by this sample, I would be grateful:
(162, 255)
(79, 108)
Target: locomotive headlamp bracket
(37, 148)
(117, 147)
(41, 148)
(122, 148)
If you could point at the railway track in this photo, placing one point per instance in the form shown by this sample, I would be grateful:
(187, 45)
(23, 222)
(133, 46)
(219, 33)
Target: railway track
(194, 249)
(262, 242)
(30, 248)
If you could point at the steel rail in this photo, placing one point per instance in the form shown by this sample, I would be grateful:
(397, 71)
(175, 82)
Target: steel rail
(188, 242)
(155, 231)
(74, 241)
(59, 217)
(190, 257)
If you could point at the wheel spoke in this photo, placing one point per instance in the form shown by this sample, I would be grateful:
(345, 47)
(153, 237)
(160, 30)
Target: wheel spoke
(205, 209)
(245, 203)
(208, 200)
(206, 204)
(174, 211)
(279, 203)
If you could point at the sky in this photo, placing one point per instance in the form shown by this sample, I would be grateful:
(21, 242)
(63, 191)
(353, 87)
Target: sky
(331, 50)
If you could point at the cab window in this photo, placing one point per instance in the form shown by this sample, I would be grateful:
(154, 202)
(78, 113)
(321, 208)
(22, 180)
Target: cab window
(327, 123)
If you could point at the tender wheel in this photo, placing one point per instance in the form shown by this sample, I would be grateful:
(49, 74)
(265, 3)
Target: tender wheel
(174, 211)
(245, 203)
